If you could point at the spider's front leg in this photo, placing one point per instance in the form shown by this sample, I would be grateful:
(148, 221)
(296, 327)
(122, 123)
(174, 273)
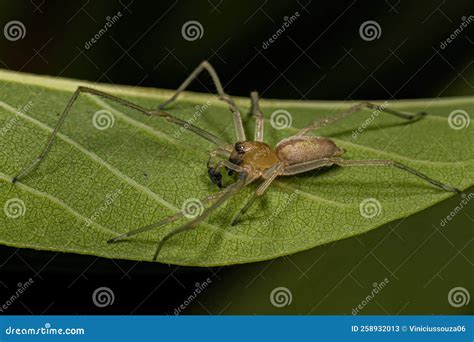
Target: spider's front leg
(34, 164)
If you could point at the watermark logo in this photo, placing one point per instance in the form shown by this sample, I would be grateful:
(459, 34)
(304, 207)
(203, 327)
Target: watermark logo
(198, 111)
(109, 200)
(199, 288)
(21, 288)
(465, 200)
(465, 22)
(102, 297)
(370, 30)
(458, 296)
(368, 121)
(458, 119)
(281, 119)
(14, 208)
(103, 119)
(45, 330)
(287, 22)
(14, 30)
(280, 208)
(280, 297)
(192, 30)
(370, 208)
(192, 208)
(21, 110)
(376, 288)
(110, 21)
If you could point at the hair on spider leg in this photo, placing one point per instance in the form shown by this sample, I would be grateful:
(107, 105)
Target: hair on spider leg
(250, 160)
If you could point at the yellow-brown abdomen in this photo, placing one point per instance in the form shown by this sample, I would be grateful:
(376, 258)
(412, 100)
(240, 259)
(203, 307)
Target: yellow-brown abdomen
(295, 150)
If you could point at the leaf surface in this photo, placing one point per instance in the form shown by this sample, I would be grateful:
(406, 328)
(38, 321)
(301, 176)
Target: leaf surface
(96, 184)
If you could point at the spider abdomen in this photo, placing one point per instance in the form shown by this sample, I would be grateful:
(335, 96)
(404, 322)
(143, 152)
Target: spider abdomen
(295, 150)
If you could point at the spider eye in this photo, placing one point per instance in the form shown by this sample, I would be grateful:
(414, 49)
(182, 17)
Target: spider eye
(239, 148)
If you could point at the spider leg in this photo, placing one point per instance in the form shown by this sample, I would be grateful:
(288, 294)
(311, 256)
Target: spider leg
(205, 65)
(255, 110)
(229, 166)
(269, 176)
(354, 109)
(36, 162)
(227, 194)
(164, 221)
(315, 164)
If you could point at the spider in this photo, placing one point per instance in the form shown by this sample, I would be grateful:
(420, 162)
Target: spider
(251, 160)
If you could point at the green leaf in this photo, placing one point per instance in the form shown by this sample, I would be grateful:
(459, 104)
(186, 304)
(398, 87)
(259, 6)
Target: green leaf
(95, 183)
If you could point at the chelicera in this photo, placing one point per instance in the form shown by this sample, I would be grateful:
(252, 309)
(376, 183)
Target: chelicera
(251, 160)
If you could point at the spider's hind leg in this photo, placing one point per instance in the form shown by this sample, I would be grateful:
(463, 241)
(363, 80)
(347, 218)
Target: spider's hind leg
(319, 163)
(355, 109)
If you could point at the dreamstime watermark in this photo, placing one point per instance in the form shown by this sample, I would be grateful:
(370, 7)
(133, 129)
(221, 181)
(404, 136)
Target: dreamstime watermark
(103, 296)
(21, 288)
(14, 30)
(109, 200)
(370, 208)
(192, 30)
(464, 24)
(198, 111)
(23, 109)
(199, 287)
(458, 296)
(103, 119)
(47, 329)
(377, 287)
(368, 121)
(370, 30)
(281, 208)
(14, 208)
(287, 22)
(465, 200)
(281, 119)
(281, 296)
(192, 208)
(110, 21)
(459, 119)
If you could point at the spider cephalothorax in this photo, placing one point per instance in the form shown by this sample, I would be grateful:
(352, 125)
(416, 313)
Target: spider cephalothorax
(256, 157)
(250, 159)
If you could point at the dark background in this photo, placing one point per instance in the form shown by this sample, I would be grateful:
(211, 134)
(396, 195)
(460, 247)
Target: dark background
(320, 57)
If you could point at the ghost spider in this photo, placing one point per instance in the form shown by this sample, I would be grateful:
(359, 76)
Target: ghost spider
(251, 160)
